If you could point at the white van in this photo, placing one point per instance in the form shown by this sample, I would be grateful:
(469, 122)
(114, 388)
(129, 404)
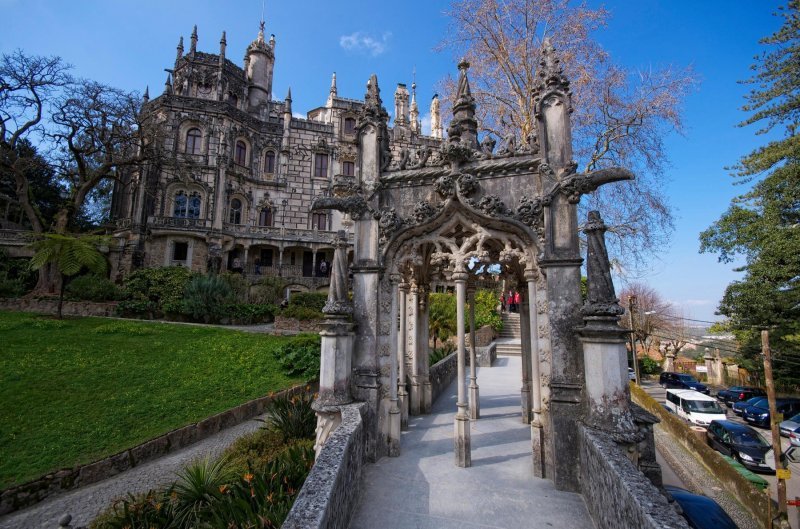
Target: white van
(693, 406)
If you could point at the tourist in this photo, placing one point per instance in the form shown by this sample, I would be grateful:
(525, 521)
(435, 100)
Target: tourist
(517, 300)
(502, 302)
(258, 266)
(510, 301)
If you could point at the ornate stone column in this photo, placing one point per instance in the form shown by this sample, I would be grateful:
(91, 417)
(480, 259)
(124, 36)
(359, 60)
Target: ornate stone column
(474, 397)
(604, 353)
(462, 433)
(337, 346)
(412, 306)
(525, 351)
(537, 432)
(394, 407)
(423, 351)
(402, 342)
(669, 360)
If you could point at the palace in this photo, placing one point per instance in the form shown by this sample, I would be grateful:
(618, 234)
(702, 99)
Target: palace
(239, 172)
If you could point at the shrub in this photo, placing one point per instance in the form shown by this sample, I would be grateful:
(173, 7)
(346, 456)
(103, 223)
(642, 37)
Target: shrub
(439, 354)
(16, 277)
(300, 356)
(268, 291)
(198, 488)
(291, 417)
(442, 314)
(92, 287)
(240, 286)
(253, 451)
(205, 297)
(649, 366)
(302, 313)
(154, 291)
(309, 300)
(248, 313)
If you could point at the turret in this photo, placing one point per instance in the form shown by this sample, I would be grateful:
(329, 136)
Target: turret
(436, 118)
(193, 47)
(223, 44)
(259, 61)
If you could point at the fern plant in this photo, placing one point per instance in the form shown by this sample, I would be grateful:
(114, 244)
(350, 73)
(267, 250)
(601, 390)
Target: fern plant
(205, 297)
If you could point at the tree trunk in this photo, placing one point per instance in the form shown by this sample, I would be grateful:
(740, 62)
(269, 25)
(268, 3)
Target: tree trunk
(50, 280)
(61, 296)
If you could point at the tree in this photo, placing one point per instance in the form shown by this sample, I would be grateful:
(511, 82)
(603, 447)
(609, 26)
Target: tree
(762, 226)
(652, 316)
(620, 116)
(44, 191)
(68, 255)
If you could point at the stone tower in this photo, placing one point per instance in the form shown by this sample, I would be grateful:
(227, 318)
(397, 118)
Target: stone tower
(259, 62)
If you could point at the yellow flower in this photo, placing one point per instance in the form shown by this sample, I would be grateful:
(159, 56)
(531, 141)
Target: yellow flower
(248, 477)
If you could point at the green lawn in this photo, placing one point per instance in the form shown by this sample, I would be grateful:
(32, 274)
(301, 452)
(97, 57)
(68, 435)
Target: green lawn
(73, 391)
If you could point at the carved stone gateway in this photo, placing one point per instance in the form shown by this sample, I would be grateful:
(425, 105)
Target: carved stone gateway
(448, 214)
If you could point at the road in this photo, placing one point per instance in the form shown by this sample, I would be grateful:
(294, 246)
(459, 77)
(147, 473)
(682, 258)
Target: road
(792, 485)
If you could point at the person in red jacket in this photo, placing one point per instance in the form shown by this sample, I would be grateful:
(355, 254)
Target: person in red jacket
(517, 299)
(502, 302)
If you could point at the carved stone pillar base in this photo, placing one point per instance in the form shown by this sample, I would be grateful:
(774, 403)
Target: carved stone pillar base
(426, 398)
(537, 448)
(402, 401)
(461, 441)
(525, 397)
(474, 402)
(415, 401)
(327, 422)
(394, 431)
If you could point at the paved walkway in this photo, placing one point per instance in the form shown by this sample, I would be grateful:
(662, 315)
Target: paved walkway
(424, 489)
(85, 503)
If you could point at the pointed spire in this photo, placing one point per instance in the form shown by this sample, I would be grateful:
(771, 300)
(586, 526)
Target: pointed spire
(180, 49)
(464, 127)
(287, 107)
(463, 91)
(168, 85)
(146, 96)
(416, 126)
(333, 84)
(436, 118)
(223, 44)
(193, 47)
(551, 72)
(261, 32)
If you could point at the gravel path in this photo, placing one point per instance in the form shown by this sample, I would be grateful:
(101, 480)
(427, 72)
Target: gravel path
(85, 503)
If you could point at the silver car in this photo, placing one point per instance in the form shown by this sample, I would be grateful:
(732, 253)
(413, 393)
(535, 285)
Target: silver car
(790, 425)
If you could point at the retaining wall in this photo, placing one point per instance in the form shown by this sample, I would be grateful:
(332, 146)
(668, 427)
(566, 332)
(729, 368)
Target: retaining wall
(442, 374)
(20, 496)
(617, 495)
(331, 489)
(50, 306)
(485, 356)
(292, 324)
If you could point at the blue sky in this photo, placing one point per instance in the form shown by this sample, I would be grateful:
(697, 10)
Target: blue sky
(129, 43)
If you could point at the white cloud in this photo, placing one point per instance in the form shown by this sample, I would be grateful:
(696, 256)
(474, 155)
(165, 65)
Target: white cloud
(426, 124)
(298, 115)
(697, 302)
(361, 42)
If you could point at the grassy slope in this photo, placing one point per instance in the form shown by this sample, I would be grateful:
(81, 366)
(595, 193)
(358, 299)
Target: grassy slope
(75, 390)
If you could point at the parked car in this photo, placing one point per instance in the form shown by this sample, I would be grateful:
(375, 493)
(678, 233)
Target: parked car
(681, 381)
(701, 512)
(742, 443)
(759, 413)
(738, 393)
(790, 425)
(631, 374)
(693, 406)
(738, 407)
(794, 437)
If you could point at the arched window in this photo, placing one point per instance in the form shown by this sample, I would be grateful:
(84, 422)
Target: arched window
(269, 162)
(235, 213)
(180, 205)
(349, 126)
(240, 156)
(193, 210)
(265, 217)
(194, 139)
(319, 221)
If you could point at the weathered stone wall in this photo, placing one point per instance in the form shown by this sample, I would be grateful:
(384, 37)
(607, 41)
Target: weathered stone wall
(442, 374)
(330, 492)
(617, 495)
(50, 306)
(486, 356)
(15, 498)
(292, 324)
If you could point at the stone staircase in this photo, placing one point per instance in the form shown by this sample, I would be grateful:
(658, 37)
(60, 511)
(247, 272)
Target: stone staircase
(508, 343)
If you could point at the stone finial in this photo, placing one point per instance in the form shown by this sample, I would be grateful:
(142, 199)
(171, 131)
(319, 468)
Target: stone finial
(146, 96)
(179, 49)
(288, 106)
(436, 118)
(338, 303)
(223, 43)
(601, 298)
(261, 32)
(168, 85)
(193, 48)
(401, 105)
(414, 112)
(551, 72)
(333, 84)
(464, 126)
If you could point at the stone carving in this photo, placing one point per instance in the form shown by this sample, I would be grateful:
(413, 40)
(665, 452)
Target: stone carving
(338, 303)
(529, 212)
(575, 185)
(405, 156)
(492, 206)
(445, 186)
(508, 146)
(388, 223)
(326, 424)
(467, 184)
(423, 155)
(601, 300)
(487, 146)
(353, 205)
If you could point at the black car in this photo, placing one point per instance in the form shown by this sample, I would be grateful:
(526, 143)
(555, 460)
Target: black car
(681, 381)
(741, 442)
(759, 413)
(739, 393)
(738, 407)
(700, 511)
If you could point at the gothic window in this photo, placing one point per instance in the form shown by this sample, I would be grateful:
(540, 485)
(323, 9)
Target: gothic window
(321, 166)
(348, 168)
(319, 221)
(180, 251)
(269, 162)
(240, 155)
(233, 100)
(194, 139)
(265, 217)
(235, 212)
(193, 211)
(181, 203)
(349, 126)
